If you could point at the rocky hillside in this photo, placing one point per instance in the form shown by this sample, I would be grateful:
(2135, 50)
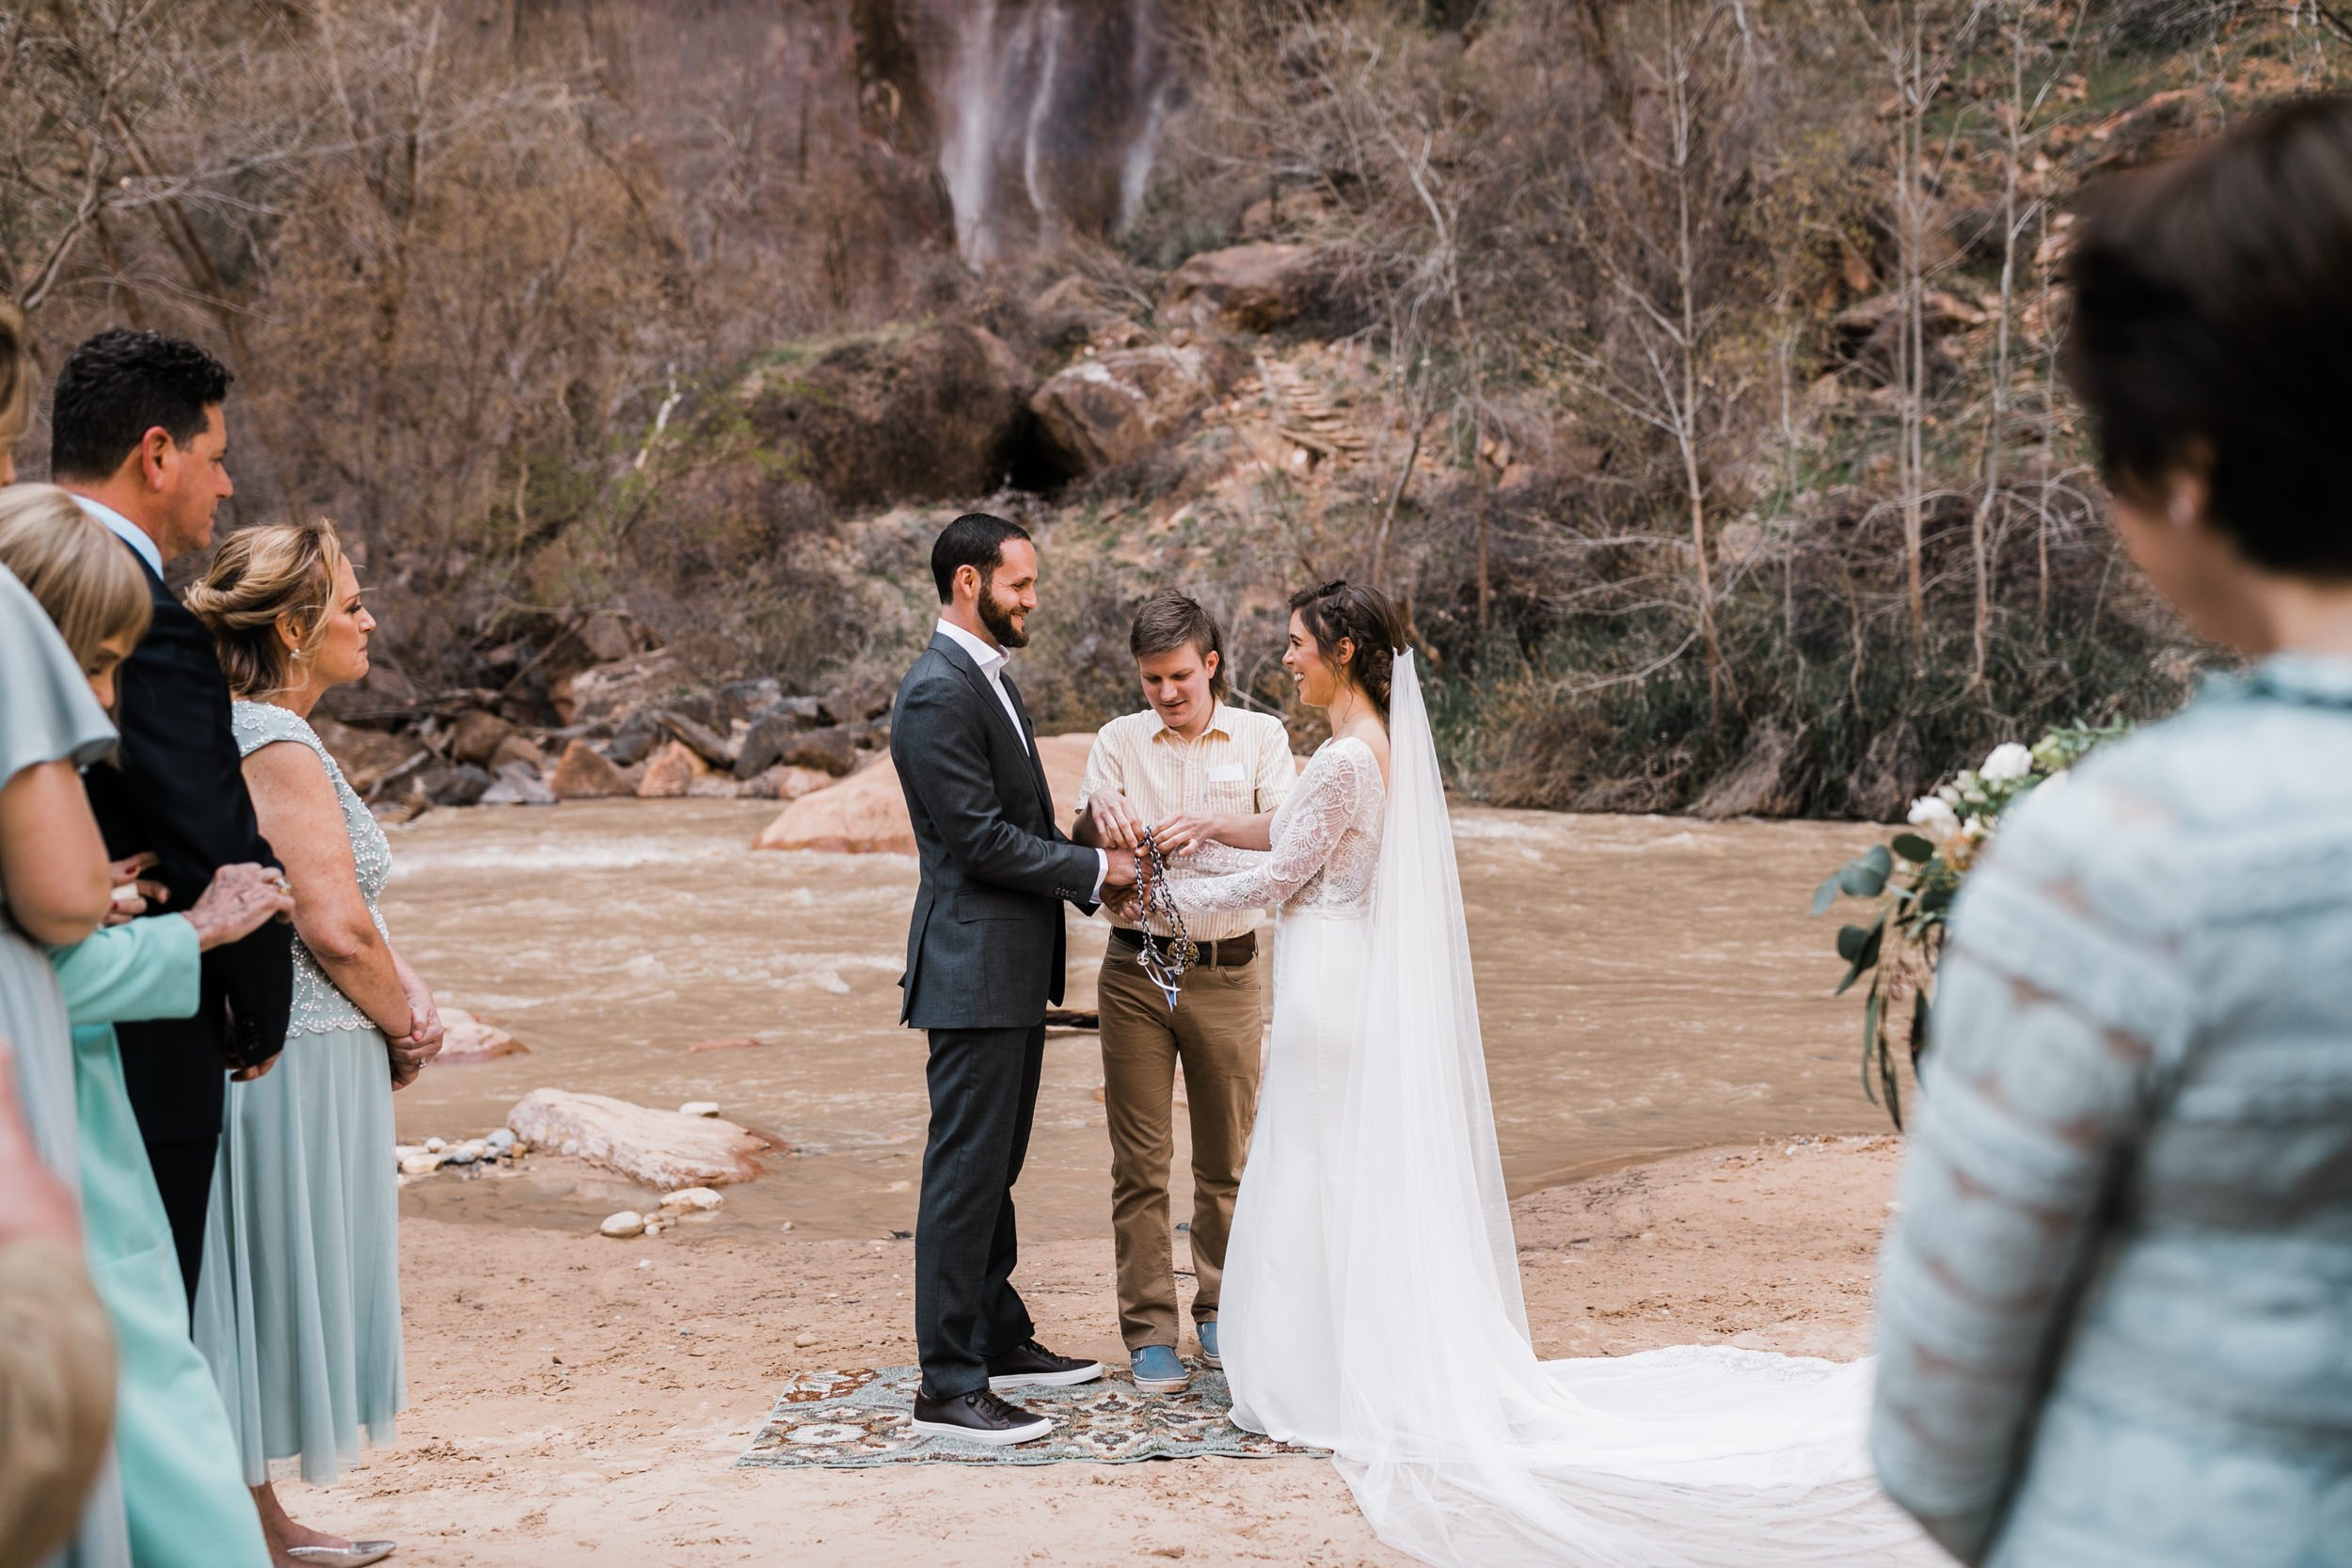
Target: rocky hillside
(1581, 325)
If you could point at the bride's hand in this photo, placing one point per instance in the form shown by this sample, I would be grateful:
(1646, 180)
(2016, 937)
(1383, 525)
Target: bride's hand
(1186, 832)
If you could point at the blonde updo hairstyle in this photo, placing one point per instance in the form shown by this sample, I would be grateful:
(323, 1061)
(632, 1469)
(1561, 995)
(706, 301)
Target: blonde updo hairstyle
(261, 576)
(82, 575)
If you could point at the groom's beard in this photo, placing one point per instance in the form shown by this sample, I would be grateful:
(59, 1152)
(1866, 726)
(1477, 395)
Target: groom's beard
(997, 617)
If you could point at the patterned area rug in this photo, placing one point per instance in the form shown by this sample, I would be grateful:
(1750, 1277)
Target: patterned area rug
(850, 1421)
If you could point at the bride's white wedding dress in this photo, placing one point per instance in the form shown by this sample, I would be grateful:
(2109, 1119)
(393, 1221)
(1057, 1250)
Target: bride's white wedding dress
(1372, 1301)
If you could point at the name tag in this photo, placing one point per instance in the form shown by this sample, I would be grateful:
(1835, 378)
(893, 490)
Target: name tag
(1228, 772)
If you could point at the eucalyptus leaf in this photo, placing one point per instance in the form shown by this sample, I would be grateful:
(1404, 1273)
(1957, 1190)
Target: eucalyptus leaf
(1913, 849)
(1865, 877)
(1860, 947)
(1826, 894)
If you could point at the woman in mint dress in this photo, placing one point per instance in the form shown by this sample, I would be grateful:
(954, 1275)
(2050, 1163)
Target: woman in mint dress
(182, 1501)
(52, 888)
(2116, 1311)
(298, 1302)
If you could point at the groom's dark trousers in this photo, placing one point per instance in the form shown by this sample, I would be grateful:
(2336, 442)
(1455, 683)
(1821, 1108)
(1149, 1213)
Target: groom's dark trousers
(983, 1084)
(985, 954)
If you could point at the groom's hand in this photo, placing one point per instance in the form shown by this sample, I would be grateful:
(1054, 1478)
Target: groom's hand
(1122, 870)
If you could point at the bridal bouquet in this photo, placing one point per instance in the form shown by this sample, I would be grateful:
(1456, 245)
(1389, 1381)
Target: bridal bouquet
(1917, 875)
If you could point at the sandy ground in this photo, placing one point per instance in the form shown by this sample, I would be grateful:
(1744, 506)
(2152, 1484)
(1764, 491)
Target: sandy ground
(580, 1400)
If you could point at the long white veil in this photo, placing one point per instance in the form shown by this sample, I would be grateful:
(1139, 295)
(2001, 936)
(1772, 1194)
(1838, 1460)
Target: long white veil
(1461, 1448)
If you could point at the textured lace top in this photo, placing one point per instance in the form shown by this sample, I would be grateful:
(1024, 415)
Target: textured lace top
(319, 1008)
(1327, 845)
(2115, 1314)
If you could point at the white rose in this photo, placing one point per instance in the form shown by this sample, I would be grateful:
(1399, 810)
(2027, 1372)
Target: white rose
(2008, 760)
(1935, 817)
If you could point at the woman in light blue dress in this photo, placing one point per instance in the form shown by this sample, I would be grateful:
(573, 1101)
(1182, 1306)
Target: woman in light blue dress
(53, 889)
(298, 1301)
(2116, 1310)
(182, 1501)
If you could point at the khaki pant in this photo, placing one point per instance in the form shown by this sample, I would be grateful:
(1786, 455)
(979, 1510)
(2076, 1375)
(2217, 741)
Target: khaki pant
(1214, 1030)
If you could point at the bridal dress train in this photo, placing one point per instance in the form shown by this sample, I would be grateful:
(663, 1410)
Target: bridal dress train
(1372, 1301)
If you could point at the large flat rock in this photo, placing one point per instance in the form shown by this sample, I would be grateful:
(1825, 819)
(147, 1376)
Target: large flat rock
(661, 1149)
(866, 813)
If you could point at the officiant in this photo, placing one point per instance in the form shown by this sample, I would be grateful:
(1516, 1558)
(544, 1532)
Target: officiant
(1191, 767)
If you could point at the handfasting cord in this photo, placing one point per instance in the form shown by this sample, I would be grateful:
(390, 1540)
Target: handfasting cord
(1167, 970)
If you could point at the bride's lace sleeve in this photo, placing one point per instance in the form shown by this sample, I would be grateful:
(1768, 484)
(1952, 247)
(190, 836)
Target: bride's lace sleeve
(1212, 859)
(1332, 795)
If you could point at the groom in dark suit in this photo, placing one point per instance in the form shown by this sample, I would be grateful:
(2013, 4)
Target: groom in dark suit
(138, 437)
(984, 958)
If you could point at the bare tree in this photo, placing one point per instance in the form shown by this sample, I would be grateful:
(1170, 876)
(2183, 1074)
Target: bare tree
(1659, 238)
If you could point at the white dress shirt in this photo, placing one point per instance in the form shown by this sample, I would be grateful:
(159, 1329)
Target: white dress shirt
(992, 660)
(129, 532)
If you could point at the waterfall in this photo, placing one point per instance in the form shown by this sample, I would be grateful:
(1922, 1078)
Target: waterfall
(1053, 114)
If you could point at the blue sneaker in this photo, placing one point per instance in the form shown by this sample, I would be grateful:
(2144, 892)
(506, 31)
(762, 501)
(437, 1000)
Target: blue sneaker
(1157, 1370)
(1208, 1345)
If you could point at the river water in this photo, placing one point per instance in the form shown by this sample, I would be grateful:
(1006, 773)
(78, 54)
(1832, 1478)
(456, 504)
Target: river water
(1646, 984)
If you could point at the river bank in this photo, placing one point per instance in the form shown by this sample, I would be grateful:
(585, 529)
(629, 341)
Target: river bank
(1646, 984)
(569, 1406)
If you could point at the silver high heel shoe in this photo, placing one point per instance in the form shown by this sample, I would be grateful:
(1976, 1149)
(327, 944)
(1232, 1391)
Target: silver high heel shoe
(358, 1555)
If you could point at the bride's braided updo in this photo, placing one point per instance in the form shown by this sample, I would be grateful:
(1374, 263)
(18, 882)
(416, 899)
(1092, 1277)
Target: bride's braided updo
(1338, 611)
(259, 577)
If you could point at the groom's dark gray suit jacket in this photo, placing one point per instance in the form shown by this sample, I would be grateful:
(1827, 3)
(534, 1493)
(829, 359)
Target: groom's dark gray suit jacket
(986, 946)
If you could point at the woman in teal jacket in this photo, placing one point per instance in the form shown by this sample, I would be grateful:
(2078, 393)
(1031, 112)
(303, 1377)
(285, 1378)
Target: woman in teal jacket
(2116, 1313)
(183, 1494)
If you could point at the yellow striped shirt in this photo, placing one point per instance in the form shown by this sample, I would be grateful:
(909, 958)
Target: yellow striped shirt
(1240, 765)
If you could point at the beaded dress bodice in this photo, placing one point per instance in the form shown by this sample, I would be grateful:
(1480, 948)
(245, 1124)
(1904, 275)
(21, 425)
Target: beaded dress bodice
(319, 1008)
(1327, 845)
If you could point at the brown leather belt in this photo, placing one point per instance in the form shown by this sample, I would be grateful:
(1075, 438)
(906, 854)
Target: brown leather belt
(1232, 953)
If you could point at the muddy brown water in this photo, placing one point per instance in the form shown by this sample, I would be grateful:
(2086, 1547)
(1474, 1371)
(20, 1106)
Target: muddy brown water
(1646, 984)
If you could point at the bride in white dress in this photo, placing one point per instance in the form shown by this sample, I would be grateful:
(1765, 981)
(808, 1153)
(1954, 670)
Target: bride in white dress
(1372, 1302)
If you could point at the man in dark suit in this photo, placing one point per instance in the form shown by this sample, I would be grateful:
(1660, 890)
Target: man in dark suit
(138, 437)
(984, 958)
